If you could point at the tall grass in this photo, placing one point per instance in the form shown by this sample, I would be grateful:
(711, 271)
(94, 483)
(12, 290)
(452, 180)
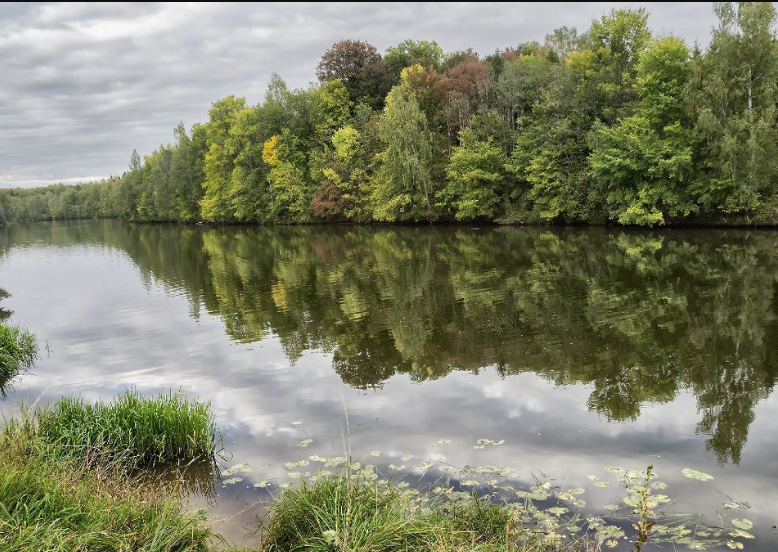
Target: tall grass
(18, 350)
(64, 506)
(134, 430)
(338, 513)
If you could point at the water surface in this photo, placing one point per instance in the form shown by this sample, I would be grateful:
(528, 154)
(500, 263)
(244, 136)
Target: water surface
(580, 348)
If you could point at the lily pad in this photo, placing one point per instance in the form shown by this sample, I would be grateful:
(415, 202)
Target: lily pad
(239, 468)
(232, 480)
(304, 442)
(734, 545)
(262, 484)
(698, 475)
(744, 524)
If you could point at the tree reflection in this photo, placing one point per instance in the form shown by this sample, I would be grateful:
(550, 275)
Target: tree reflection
(639, 316)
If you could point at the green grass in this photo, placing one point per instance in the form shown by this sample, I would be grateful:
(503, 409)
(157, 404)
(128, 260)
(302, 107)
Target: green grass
(49, 505)
(338, 514)
(133, 430)
(18, 350)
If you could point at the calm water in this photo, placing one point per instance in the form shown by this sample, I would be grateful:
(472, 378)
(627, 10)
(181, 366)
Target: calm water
(580, 348)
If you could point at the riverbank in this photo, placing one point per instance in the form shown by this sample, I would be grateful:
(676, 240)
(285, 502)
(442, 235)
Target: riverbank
(75, 493)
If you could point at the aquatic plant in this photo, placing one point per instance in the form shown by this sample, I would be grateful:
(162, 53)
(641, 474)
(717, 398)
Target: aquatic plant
(351, 513)
(135, 430)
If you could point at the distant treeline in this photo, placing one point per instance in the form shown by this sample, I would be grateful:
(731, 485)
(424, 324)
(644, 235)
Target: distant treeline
(611, 125)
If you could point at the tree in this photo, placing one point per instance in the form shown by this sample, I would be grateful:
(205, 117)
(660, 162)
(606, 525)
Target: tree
(410, 52)
(361, 70)
(615, 43)
(646, 160)
(475, 178)
(736, 110)
(469, 87)
(219, 160)
(289, 194)
(404, 189)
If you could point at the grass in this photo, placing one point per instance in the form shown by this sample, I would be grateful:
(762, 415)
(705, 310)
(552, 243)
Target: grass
(339, 514)
(133, 430)
(59, 505)
(18, 350)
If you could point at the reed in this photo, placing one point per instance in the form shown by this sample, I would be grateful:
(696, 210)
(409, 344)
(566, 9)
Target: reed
(134, 430)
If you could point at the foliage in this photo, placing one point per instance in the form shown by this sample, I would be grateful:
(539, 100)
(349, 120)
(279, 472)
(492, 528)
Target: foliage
(360, 68)
(475, 179)
(404, 189)
(18, 350)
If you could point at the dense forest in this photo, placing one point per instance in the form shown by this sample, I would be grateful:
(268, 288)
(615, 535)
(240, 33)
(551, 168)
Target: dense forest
(609, 125)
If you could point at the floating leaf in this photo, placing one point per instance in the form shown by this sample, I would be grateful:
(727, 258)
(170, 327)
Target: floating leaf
(613, 469)
(395, 467)
(611, 543)
(558, 510)
(297, 422)
(406, 458)
(734, 545)
(743, 523)
(601, 484)
(470, 483)
(613, 507)
(741, 533)
(375, 453)
(576, 491)
(698, 475)
(304, 442)
(659, 485)
(232, 480)
(261, 484)
(592, 477)
(238, 468)
(317, 458)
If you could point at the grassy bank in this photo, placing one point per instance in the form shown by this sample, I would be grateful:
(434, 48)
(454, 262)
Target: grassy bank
(50, 504)
(65, 486)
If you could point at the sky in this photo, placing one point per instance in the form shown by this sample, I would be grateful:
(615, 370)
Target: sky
(83, 84)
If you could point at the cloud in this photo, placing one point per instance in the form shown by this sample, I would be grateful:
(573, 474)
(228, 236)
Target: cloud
(84, 84)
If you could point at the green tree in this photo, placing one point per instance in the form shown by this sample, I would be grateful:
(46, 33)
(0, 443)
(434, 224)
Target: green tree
(646, 160)
(736, 108)
(411, 52)
(404, 188)
(475, 179)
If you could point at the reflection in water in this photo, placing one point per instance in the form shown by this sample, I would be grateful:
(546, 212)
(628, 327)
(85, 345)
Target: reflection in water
(637, 316)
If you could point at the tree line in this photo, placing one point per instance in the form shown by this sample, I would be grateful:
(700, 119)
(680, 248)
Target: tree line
(609, 125)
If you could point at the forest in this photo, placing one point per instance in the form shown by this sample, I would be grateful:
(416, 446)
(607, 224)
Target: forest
(610, 125)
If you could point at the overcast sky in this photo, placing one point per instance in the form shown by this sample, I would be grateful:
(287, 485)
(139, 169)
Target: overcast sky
(83, 84)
